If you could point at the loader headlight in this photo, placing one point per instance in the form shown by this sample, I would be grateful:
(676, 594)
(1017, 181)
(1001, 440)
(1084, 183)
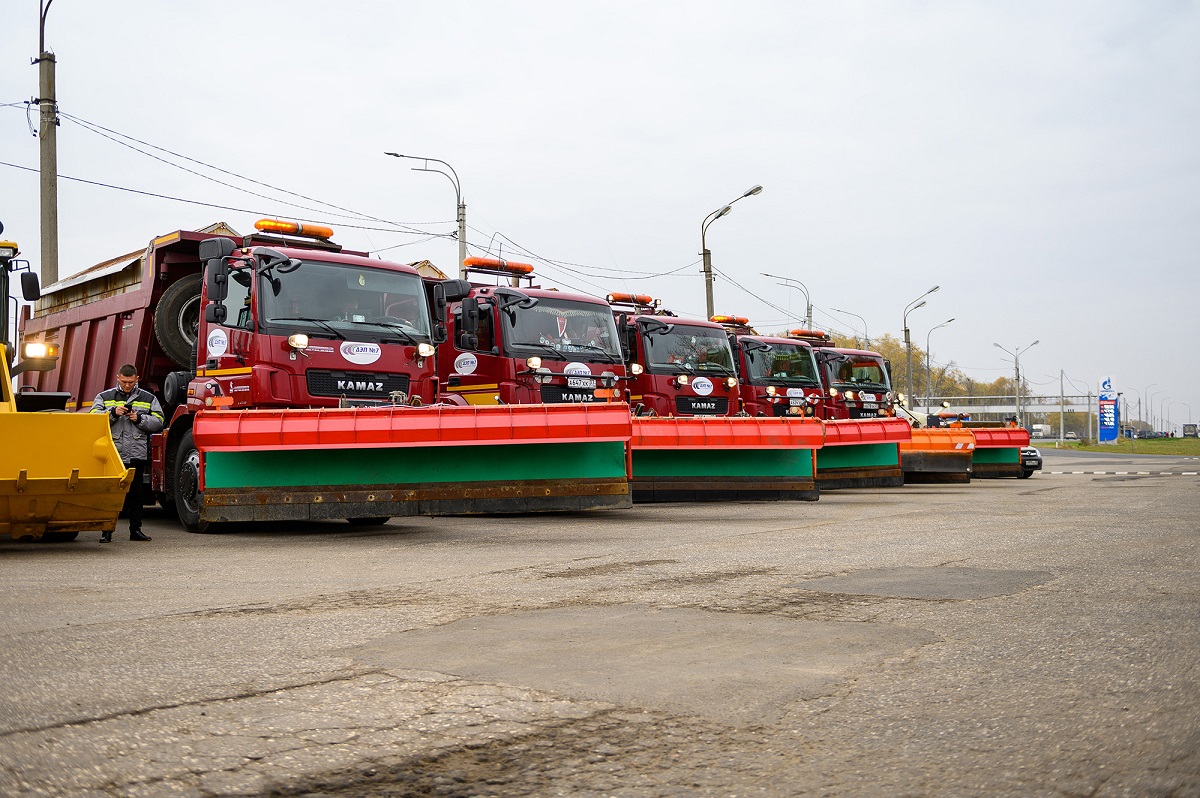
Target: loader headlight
(35, 350)
(298, 341)
(425, 350)
(635, 369)
(8, 250)
(533, 363)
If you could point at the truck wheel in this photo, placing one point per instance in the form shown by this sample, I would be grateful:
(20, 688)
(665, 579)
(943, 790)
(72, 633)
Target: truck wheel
(380, 521)
(177, 319)
(59, 537)
(1025, 475)
(187, 486)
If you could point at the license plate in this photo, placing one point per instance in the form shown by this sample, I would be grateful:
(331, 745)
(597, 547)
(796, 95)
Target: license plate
(797, 401)
(581, 382)
(870, 405)
(1031, 462)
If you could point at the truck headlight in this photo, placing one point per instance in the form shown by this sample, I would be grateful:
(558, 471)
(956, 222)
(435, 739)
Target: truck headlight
(771, 390)
(533, 363)
(298, 341)
(635, 369)
(425, 350)
(731, 382)
(682, 380)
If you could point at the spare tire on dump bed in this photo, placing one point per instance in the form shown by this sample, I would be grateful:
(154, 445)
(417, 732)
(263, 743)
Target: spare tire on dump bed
(177, 320)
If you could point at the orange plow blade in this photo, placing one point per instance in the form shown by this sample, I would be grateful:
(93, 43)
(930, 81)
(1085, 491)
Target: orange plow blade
(394, 461)
(939, 454)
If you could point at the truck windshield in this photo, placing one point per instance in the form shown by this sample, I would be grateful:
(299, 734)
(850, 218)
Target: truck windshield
(343, 300)
(859, 371)
(690, 348)
(562, 328)
(788, 363)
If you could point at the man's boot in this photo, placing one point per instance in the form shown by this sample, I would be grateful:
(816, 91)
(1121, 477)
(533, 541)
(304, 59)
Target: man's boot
(136, 534)
(106, 537)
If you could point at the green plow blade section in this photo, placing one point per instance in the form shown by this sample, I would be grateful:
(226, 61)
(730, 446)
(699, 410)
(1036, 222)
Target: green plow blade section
(415, 465)
(863, 455)
(1009, 455)
(722, 463)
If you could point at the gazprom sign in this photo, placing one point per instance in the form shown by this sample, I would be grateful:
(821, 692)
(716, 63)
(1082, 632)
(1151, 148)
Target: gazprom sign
(1110, 412)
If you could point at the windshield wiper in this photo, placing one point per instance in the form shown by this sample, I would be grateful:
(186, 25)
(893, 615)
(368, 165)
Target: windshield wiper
(714, 366)
(404, 334)
(608, 356)
(558, 353)
(324, 324)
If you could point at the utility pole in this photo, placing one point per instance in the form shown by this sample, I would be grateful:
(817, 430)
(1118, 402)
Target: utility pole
(48, 152)
(1062, 400)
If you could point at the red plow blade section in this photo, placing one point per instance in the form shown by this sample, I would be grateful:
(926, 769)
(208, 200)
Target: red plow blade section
(710, 458)
(435, 460)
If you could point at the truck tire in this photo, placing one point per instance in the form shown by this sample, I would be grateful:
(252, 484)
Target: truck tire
(186, 486)
(177, 319)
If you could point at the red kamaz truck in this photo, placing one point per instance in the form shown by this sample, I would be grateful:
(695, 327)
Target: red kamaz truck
(777, 376)
(677, 367)
(282, 318)
(525, 344)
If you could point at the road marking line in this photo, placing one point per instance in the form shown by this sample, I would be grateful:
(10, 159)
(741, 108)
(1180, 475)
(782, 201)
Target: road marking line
(1190, 473)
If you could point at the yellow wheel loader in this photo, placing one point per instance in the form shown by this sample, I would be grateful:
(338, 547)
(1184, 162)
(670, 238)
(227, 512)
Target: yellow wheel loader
(60, 473)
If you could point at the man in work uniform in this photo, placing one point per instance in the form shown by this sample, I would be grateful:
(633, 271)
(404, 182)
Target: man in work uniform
(134, 415)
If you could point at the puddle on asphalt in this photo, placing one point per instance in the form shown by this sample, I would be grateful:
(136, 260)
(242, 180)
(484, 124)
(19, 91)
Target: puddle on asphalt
(929, 583)
(738, 669)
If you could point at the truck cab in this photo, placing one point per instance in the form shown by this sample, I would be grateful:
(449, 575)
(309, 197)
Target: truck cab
(857, 382)
(677, 367)
(776, 376)
(311, 326)
(525, 344)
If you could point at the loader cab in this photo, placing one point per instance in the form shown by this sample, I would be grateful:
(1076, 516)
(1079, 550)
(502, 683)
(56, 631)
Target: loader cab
(294, 324)
(527, 345)
(677, 367)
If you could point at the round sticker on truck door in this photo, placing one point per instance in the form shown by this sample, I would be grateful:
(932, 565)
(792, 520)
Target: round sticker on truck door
(218, 342)
(702, 386)
(361, 354)
(466, 363)
(577, 369)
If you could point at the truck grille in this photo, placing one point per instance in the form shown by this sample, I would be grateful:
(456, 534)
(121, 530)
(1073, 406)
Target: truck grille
(701, 405)
(355, 384)
(558, 394)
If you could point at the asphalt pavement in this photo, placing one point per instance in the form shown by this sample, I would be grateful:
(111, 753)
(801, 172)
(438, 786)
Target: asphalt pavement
(1006, 637)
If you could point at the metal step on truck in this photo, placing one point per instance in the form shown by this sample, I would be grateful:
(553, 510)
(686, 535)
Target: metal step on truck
(299, 382)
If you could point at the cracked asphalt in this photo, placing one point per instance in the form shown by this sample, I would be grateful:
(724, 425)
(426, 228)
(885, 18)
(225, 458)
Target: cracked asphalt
(1026, 638)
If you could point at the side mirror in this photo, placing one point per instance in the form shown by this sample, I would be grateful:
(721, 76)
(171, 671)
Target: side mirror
(470, 316)
(30, 289)
(215, 313)
(455, 290)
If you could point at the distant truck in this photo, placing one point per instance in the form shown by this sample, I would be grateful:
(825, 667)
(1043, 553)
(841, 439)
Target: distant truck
(1039, 430)
(1191, 431)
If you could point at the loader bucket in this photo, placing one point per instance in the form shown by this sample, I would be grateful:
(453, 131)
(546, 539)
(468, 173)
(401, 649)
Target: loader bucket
(59, 473)
(998, 451)
(724, 457)
(938, 454)
(862, 453)
(300, 464)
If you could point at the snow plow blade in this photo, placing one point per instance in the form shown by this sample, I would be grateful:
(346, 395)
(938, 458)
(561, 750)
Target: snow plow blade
(938, 454)
(998, 451)
(862, 453)
(61, 475)
(724, 457)
(270, 465)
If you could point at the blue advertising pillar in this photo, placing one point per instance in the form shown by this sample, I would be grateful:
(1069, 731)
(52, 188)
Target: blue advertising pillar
(1110, 412)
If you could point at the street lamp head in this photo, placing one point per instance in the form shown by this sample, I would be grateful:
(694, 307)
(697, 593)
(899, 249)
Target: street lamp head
(931, 290)
(753, 191)
(920, 304)
(723, 212)
(394, 154)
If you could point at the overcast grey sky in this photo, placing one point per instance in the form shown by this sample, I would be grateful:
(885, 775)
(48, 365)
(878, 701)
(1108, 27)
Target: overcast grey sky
(1038, 160)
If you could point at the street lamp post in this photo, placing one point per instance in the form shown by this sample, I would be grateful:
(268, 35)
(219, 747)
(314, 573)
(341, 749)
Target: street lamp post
(866, 335)
(1150, 408)
(704, 253)
(909, 308)
(1016, 356)
(787, 281)
(1162, 413)
(452, 176)
(1145, 394)
(927, 359)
